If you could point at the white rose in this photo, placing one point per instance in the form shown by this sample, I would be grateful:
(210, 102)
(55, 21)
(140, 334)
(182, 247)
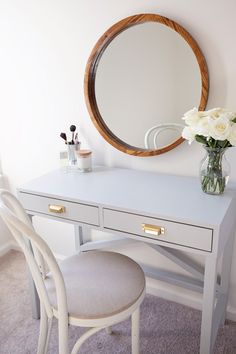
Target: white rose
(215, 113)
(219, 128)
(191, 117)
(202, 127)
(232, 135)
(188, 134)
(231, 115)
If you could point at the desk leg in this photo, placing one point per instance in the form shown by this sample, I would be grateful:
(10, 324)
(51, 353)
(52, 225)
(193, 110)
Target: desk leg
(225, 274)
(208, 305)
(78, 230)
(82, 236)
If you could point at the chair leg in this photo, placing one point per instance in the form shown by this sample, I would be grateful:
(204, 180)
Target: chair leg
(43, 331)
(82, 339)
(63, 334)
(48, 334)
(135, 331)
(109, 330)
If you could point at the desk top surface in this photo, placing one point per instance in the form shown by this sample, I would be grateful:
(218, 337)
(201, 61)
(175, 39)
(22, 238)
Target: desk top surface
(169, 197)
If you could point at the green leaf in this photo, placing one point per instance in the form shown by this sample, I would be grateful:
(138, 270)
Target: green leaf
(226, 144)
(201, 139)
(234, 120)
(212, 143)
(222, 143)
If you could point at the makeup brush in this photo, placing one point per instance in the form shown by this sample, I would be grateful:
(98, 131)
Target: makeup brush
(76, 138)
(63, 136)
(73, 129)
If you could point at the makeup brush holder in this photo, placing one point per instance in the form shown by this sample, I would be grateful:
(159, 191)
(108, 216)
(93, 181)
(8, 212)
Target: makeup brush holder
(71, 155)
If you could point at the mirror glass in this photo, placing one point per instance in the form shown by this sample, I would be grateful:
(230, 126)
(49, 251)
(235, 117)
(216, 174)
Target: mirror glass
(142, 75)
(148, 75)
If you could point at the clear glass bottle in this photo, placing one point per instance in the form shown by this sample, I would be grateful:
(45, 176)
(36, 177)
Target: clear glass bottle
(214, 171)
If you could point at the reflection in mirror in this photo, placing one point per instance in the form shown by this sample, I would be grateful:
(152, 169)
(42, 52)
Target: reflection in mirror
(148, 75)
(144, 72)
(158, 135)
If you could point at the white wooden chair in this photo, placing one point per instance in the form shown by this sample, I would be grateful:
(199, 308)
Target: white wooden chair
(150, 138)
(94, 289)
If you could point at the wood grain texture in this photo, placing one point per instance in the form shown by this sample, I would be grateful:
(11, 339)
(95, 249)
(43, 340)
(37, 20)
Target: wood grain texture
(90, 74)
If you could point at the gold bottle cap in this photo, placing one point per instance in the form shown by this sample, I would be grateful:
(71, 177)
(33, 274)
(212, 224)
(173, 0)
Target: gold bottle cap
(83, 153)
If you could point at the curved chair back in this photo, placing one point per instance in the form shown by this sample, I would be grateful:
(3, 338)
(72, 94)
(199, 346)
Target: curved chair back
(36, 251)
(152, 134)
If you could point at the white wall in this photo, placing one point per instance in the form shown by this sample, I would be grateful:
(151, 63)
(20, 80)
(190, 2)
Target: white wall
(44, 48)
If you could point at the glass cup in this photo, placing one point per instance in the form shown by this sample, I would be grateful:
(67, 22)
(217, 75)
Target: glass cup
(84, 160)
(71, 155)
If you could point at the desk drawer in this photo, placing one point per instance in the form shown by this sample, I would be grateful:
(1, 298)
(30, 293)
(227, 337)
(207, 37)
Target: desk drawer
(60, 208)
(171, 232)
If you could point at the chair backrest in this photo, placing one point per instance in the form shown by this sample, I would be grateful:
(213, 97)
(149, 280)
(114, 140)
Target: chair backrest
(152, 134)
(36, 251)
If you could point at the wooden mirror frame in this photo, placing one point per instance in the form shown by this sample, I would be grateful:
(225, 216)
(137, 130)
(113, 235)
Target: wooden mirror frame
(90, 74)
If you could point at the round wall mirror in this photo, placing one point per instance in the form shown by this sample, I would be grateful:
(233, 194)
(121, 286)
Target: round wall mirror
(143, 74)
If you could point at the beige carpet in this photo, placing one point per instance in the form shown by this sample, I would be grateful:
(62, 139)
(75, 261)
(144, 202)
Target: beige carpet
(166, 327)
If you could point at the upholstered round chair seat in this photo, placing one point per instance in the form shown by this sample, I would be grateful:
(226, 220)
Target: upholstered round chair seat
(99, 284)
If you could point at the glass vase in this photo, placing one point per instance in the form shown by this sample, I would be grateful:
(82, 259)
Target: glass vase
(214, 171)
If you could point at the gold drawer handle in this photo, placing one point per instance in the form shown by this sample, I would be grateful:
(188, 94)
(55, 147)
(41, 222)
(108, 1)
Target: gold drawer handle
(56, 208)
(153, 229)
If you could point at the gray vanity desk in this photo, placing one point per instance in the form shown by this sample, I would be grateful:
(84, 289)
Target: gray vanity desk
(169, 213)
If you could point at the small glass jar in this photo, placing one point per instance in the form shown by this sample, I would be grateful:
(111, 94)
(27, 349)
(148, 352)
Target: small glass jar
(84, 160)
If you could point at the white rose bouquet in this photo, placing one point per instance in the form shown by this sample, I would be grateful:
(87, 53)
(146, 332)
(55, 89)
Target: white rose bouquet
(215, 128)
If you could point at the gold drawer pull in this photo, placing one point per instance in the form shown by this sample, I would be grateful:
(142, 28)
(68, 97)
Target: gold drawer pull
(153, 229)
(56, 208)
